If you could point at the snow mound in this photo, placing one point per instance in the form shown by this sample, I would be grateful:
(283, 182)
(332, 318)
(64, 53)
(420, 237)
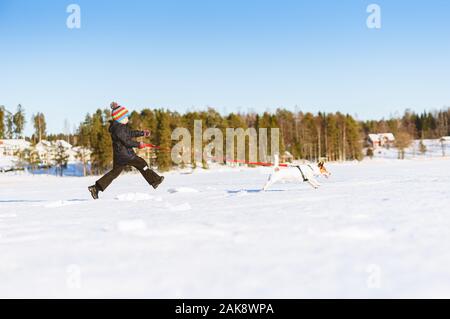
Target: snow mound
(179, 208)
(132, 225)
(130, 197)
(182, 190)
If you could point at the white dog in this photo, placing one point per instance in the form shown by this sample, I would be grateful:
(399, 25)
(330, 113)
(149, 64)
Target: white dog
(302, 173)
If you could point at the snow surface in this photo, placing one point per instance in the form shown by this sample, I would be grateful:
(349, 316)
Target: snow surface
(379, 228)
(7, 162)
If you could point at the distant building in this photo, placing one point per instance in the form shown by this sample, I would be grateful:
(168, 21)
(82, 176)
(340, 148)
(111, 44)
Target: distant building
(381, 140)
(19, 153)
(11, 147)
(46, 151)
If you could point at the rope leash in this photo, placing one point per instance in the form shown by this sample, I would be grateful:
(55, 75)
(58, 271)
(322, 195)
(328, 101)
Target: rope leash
(265, 164)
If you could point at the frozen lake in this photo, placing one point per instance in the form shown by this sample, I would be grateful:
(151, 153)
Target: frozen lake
(374, 229)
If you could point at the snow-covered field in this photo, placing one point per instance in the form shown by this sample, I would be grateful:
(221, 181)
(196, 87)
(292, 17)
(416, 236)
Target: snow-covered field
(375, 229)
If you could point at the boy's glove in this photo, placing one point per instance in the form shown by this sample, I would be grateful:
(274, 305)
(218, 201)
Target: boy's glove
(141, 145)
(146, 133)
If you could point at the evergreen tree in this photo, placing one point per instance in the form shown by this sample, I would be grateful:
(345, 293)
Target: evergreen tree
(94, 134)
(9, 125)
(61, 159)
(19, 121)
(332, 138)
(335, 136)
(136, 121)
(353, 139)
(164, 140)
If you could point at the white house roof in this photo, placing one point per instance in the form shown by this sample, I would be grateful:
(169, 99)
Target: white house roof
(46, 144)
(389, 136)
(43, 143)
(377, 137)
(18, 143)
(63, 144)
(374, 137)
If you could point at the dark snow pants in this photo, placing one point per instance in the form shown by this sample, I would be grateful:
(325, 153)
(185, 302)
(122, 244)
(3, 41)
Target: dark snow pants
(139, 163)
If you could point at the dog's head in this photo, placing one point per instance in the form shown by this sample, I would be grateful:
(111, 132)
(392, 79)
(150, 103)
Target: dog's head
(323, 170)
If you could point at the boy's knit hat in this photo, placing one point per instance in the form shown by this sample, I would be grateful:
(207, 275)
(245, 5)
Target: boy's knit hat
(118, 112)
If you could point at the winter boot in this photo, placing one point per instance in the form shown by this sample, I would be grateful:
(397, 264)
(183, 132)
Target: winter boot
(94, 191)
(159, 181)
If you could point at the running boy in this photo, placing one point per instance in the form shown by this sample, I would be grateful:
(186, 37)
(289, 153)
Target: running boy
(124, 155)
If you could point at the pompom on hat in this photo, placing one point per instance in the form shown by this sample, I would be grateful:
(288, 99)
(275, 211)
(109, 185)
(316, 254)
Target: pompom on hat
(114, 105)
(119, 113)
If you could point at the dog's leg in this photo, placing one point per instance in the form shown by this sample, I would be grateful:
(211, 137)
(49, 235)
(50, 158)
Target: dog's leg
(313, 182)
(273, 176)
(316, 182)
(271, 180)
(268, 183)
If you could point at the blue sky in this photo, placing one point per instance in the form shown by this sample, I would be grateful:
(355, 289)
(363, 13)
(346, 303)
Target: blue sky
(229, 54)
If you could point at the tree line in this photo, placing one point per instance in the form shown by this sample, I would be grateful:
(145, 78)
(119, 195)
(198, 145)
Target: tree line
(331, 136)
(12, 124)
(425, 125)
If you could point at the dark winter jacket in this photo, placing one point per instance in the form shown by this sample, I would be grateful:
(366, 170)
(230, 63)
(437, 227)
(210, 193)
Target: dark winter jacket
(123, 143)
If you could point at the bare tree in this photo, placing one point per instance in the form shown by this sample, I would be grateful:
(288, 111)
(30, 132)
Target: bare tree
(402, 141)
